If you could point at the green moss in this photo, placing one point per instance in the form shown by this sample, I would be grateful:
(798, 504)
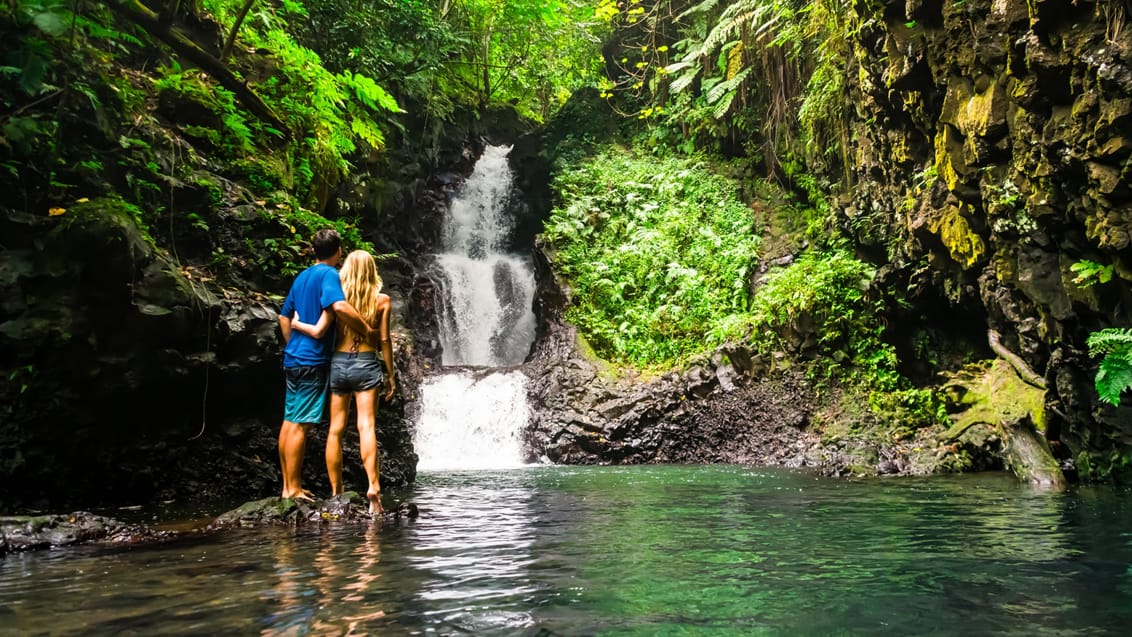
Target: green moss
(948, 146)
(995, 394)
(983, 112)
(113, 217)
(963, 244)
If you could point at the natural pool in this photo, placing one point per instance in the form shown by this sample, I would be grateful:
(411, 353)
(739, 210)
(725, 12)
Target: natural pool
(658, 550)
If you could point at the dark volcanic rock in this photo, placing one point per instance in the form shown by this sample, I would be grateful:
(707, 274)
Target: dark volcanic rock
(23, 533)
(348, 507)
(1003, 161)
(712, 413)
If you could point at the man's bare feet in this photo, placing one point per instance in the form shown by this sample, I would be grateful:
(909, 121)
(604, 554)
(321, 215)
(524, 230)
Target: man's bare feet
(374, 496)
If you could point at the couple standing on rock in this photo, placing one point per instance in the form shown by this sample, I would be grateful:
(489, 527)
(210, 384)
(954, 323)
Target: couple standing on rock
(338, 352)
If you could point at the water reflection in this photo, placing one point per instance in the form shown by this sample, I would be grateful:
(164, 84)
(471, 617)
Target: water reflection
(331, 596)
(477, 556)
(626, 551)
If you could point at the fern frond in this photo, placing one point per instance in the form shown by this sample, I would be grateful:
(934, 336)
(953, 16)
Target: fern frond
(684, 81)
(1113, 377)
(723, 105)
(727, 86)
(703, 7)
(729, 24)
(1110, 340)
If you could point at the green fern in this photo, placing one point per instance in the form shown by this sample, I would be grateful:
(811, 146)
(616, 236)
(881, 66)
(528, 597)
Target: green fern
(1114, 374)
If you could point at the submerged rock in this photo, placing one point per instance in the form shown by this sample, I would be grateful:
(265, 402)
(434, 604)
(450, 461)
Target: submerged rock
(24, 533)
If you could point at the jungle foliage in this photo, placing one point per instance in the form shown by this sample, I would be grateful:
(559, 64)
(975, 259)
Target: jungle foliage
(100, 105)
(441, 55)
(658, 252)
(760, 78)
(188, 110)
(662, 260)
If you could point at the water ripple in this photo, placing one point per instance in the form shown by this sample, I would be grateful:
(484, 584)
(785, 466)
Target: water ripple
(625, 551)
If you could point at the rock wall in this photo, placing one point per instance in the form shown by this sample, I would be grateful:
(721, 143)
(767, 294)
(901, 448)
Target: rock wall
(727, 407)
(993, 150)
(134, 377)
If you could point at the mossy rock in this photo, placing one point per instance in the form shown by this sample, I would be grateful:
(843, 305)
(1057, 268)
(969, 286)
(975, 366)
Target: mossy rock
(964, 245)
(993, 394)
(23, 533)
(105, 231)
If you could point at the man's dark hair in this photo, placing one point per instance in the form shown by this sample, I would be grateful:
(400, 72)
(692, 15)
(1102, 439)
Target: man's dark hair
(325, 243)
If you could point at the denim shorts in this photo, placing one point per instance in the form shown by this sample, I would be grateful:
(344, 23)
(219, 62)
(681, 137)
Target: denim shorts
(306, 393)
(355, 372)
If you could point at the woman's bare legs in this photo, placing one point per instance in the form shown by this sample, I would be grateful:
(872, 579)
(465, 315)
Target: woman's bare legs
(371, 459)
(339, 410)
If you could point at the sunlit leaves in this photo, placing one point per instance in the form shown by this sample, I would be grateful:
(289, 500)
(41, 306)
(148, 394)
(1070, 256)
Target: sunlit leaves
(657, 252)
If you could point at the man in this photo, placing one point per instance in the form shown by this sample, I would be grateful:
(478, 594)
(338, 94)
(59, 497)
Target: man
(306, 360)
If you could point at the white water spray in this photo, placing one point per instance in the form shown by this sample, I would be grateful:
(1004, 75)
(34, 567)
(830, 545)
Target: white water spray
(473, 419)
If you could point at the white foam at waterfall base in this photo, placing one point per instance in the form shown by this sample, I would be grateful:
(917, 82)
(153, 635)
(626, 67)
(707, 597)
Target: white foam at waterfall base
(471, 420)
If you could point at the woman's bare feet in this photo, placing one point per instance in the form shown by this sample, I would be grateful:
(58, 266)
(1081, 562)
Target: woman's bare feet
(374, 496)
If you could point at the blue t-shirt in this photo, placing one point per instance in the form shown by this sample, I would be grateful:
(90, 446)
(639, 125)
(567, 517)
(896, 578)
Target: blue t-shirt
(314, 290)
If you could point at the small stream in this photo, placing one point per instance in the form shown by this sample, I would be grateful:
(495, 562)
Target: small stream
(647, 550)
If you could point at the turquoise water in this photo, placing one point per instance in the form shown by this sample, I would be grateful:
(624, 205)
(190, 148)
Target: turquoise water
(625, 551)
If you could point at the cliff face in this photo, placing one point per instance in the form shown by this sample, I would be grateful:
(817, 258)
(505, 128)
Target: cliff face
(141, 267)
(993, 142)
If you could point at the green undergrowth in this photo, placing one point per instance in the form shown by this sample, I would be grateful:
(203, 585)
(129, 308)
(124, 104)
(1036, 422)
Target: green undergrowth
(662, 259)
(657, 250)
(824, 309)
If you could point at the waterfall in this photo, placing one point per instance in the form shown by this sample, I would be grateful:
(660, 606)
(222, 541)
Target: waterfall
(473, 419)
(486, 294)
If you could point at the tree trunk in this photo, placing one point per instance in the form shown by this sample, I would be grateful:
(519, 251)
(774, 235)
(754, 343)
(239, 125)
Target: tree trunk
(136, 12)
(227, 50)
(1029, 456)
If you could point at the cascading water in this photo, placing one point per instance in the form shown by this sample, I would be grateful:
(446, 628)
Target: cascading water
(472, 419)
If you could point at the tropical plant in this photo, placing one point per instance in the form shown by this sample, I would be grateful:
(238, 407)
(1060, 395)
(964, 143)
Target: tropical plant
(532, 53)
(658, 252)
(771, 69)
(1114, 375)
(1090, 273)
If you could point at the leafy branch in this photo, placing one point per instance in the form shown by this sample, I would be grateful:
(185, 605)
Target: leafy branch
(143, 16)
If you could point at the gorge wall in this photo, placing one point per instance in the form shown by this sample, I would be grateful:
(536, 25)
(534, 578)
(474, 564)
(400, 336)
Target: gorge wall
(992, 145)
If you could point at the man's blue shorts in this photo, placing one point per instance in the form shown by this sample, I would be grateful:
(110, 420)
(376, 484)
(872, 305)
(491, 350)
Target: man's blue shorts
(306, 393)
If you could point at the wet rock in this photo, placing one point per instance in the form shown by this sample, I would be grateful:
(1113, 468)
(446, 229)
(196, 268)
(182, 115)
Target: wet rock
(1022, 167)
(349, 507)
(24, 533)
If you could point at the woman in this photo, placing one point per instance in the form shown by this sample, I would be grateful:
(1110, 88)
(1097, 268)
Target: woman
(356, 371)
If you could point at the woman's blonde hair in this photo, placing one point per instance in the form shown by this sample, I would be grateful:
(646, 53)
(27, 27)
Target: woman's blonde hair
(361, 283)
